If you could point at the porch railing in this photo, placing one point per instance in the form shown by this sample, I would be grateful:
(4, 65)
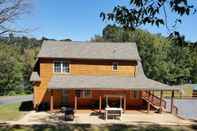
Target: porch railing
(154, 100)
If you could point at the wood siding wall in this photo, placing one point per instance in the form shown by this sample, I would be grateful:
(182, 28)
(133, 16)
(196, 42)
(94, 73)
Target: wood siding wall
(78, 67)
(85, 102)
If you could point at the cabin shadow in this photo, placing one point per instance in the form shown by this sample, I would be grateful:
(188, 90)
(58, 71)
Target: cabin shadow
(26, 106)
(88, 127)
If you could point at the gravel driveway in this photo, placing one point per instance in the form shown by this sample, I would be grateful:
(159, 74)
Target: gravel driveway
(15, 99)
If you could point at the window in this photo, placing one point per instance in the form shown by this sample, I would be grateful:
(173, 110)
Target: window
(135, 94)
(114, 66)
(77, 93)
(57, 66)
(83, 93)
(87, 93)
(65, 67)
(61, 67)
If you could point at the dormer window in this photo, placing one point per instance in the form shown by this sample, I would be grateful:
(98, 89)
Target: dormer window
(61, 67)
(114, 66)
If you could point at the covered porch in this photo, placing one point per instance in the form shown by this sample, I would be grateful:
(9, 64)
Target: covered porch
(115, 85)
(146, 101)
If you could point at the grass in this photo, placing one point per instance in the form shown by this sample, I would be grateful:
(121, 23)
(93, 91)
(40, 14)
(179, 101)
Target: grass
(88, 127)
(10, 112)
(14, 95)
(186, 89)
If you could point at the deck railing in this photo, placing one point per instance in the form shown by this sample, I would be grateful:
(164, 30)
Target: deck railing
(154, 100)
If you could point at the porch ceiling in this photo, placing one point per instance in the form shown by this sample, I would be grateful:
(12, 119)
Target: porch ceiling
(106, 82)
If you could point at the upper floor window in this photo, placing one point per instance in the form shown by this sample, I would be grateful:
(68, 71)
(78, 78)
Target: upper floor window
(114, 66)
(61, 67)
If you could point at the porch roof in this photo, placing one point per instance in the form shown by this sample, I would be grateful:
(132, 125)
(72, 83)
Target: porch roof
(106, 82)
(139, 82)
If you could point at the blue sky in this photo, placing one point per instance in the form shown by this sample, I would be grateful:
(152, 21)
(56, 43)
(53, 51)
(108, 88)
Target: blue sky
(79, 19)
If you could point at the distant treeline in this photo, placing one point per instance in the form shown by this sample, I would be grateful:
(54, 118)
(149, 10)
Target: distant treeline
(17, 59)
(169, 60)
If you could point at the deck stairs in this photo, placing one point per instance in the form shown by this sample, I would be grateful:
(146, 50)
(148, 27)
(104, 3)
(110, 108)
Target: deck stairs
(153, 100)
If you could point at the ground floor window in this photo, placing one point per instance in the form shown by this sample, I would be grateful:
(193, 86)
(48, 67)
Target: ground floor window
(83, 93)
(135, 94)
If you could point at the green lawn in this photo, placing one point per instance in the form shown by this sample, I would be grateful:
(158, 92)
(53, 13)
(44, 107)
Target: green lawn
(186, 89)
(14, 95)
(10, 112)
(87, 127)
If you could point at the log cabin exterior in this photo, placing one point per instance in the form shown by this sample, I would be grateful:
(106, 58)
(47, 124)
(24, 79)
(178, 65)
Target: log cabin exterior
(83, 75)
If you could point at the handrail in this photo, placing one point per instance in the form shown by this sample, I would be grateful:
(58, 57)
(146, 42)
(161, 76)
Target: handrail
(155, 100)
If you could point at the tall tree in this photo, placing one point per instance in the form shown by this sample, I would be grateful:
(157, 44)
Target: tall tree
(11, 74)
(10, 10)
(154, 12)
(166, 60)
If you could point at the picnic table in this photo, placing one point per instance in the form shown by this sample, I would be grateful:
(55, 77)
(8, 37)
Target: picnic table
(113, 111)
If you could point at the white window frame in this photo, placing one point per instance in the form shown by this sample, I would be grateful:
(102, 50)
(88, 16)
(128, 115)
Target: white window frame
(115, 63)
(61, 63)
(54, 66)
(82, 93)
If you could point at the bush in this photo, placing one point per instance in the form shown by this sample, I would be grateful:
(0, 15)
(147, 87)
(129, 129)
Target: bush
(12, 93)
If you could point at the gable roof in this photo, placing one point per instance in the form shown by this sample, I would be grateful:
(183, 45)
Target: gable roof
(89, 50)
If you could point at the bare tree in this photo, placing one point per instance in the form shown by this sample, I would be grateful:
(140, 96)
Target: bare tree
(10, 11)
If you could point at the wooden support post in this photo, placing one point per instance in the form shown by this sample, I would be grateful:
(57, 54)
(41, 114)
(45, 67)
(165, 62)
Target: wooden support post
(149, 95)
(152, 95)
(172, 102)
(51, 100)
(125, 104)
(75, 102)
(120, 101)
(100, 103)
(148, 107)
(161, 98)
(34, 100)
(106, 101)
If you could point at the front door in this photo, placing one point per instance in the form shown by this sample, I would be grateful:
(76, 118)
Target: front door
(64, 97)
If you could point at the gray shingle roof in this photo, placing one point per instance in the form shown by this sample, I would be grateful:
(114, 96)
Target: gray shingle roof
(34, 77)
(108, 82)
(89, 50)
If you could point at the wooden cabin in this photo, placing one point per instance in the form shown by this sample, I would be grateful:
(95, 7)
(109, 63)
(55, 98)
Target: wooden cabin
(91, 75)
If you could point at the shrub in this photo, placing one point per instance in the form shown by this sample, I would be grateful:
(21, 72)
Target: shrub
(12, 93)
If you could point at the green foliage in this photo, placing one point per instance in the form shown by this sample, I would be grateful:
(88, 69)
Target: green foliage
(17, 58)
(11, 93)
(166, 60)
(10, 68)
(153, 12)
